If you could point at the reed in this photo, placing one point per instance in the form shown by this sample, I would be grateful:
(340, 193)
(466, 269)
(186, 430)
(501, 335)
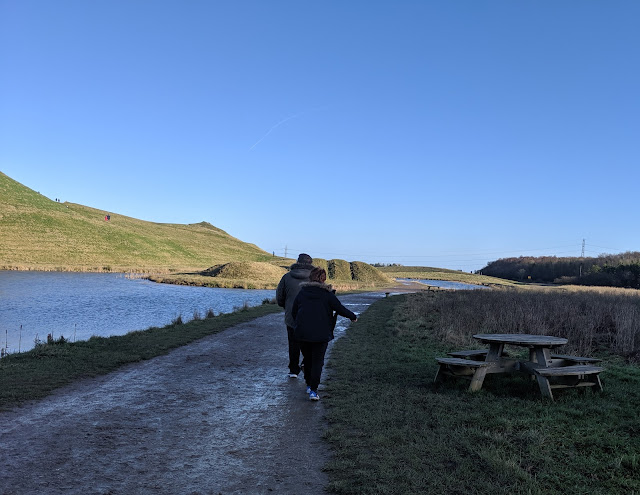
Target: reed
(593, 321)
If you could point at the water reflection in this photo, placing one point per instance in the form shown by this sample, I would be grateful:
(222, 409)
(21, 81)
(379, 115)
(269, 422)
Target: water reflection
(80, 305)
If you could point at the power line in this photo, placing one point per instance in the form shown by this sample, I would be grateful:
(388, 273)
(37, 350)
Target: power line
(477, 255)
(451, 258)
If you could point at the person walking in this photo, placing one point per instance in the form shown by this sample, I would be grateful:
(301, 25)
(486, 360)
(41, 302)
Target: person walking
(286, 292)
(313, 312)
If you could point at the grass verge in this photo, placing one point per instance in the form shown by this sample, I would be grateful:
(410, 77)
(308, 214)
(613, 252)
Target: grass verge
(36, 373)
(394, 432)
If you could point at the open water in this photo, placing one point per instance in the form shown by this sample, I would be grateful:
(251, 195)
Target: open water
(444, 284)
(81, 305)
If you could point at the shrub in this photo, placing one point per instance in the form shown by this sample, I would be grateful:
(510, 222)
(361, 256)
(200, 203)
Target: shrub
(338, 270)
(363, 272)
(321, 263)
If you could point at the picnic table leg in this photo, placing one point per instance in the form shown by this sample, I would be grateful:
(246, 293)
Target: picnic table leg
(545, 387)
(543, 358)
(598, 383)
(439, 376)
(540, 355)
(478, 379)
(495, 351)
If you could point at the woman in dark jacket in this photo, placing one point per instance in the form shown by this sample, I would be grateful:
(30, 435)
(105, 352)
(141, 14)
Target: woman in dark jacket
(313, 310)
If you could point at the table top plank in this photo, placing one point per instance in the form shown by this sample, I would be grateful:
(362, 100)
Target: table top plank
(522, 339)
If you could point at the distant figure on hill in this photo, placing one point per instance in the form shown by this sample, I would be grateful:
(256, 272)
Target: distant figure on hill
(286, 292)
(313, 311)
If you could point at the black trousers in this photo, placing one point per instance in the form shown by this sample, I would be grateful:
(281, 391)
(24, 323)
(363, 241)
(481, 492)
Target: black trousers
(313, 353)
(294, 352)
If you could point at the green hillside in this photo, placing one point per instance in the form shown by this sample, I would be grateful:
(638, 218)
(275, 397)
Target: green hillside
(38, 233)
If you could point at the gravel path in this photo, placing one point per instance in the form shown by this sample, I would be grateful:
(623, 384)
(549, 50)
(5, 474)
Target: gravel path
(219, 416)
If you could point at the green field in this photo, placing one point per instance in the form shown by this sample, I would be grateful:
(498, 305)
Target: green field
(393, 431)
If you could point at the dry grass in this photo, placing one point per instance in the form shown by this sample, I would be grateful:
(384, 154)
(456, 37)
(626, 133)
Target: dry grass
(594, 321)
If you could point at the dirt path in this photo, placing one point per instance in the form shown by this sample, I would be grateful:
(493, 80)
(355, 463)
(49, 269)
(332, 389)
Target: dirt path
(219, 416)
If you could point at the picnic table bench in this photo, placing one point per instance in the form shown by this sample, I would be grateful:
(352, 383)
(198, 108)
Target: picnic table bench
(473, 369)
(475, 354)
(573, 359)
(550, 370)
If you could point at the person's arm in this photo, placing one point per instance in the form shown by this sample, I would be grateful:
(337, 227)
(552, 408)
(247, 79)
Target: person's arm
(281, 295)
(337, 306)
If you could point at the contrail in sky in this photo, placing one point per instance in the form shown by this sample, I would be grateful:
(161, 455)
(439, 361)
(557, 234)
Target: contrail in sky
(272, 129)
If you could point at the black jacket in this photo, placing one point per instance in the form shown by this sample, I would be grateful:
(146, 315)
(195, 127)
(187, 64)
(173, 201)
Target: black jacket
(313, 310)
(289, 287)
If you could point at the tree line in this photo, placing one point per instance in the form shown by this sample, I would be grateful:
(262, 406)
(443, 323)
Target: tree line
(613, 270)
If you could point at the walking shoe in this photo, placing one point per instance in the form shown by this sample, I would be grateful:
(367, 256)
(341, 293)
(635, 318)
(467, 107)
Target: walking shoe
(293, 375)
(308, 389)
(314, 395)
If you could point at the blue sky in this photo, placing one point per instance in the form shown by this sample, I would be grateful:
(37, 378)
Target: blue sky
(445, 134)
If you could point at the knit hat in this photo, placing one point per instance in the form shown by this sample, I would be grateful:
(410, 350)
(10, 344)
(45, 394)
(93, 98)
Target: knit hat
(305, 259)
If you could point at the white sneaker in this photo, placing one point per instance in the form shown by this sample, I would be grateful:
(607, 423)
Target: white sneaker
(293, 375)
(314, 395)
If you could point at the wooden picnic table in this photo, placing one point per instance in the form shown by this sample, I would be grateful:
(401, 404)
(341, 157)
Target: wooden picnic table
(565, 371)
(539, 346)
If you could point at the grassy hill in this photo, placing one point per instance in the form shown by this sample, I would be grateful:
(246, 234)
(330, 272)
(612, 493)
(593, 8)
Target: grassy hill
(266, 275)
(38, 233)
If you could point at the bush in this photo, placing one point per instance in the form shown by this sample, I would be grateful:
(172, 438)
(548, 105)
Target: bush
(338, 270)
(363, 272)
(321, 263)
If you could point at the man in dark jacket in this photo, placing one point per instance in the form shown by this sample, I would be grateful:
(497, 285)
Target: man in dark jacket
(314, 323)
(286, 292)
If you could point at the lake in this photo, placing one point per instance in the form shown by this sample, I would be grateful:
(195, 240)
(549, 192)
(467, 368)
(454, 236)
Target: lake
(445, 284)
(81, 305)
